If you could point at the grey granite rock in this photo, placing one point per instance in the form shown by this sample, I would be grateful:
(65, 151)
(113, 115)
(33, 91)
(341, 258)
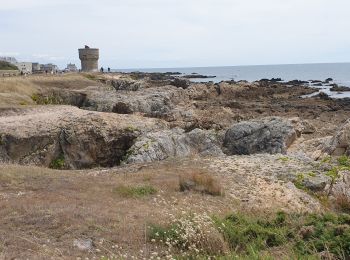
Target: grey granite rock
(267, 135)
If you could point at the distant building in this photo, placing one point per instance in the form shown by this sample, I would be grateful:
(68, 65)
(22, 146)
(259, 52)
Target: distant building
(25, 67)
(35, 67)
(49, 68)
(9, 59)
(71, 67)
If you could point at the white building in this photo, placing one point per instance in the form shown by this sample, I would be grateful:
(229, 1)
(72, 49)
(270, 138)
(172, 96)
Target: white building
(25, 67)
(71, 67)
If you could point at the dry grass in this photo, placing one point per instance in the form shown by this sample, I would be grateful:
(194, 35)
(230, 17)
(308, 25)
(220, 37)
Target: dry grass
(200, 182)
(342, 203)
(42, 211)
(17, 91)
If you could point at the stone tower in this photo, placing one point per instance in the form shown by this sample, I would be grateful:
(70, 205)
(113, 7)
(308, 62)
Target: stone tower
(89, 59)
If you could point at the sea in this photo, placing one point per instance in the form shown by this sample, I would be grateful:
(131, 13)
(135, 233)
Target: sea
(339, 72)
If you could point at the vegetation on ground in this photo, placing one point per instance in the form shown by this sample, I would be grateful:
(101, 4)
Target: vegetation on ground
(58, 163)
(295, 236)
(4, 65)
(135, 192)
(201, 182)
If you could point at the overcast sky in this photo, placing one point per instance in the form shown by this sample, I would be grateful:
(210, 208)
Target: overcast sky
(177, 33)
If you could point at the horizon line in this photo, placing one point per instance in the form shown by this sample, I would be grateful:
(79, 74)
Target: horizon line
(251, 65)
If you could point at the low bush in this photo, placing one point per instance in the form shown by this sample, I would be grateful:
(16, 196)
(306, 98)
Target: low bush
(200, 182)
(342, 202)
(58, 163)
(190, 236)
(238, 236)
(306, 235)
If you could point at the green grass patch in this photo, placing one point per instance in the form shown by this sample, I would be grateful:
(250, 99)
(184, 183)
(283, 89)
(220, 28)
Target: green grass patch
(283, 159)
(305, 235)
(135, 192)
(58, 163)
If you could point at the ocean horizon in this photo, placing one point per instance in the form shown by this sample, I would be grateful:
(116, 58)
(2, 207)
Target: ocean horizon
(339, 72)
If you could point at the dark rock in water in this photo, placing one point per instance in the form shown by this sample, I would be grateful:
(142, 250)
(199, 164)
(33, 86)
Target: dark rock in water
(180, 83)
(323, 96)
(328, 80)
(297, 82)
(271, 80)
(197, 76)
(276, 79)
(317, 84)
(335, 87)
(267, 135)
(315, 81)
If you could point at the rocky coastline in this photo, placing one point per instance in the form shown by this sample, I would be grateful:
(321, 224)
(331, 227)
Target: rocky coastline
(269, 131)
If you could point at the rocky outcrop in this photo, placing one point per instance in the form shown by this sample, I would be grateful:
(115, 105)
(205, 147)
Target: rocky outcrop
(67, 137)
(157, 146)
(125, 84)
(339, 144)
(267, 135)
(302, 126)
(152, 102)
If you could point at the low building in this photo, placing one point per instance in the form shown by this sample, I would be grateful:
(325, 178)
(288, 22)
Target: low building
(71, 67)
(25, 67)
(49, 68)
(35, 67)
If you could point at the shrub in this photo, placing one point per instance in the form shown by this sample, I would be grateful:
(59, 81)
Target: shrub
(194, 235)
(58, 163)
(135, 192)
(306, 235)
(344, 161)
(200, 182)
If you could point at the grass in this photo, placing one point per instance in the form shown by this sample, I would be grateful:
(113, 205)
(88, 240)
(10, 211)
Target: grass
(342, 202)
(295, 236)
(134, 192)
(306, 235)
(200, 182)
(17, 90)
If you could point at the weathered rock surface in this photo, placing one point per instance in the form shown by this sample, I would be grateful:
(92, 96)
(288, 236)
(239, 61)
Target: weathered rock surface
(153, 102)
(77, 138)
(161, 145)
(267, 135)
(339, 144)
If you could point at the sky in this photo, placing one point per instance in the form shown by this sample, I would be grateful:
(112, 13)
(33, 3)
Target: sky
(177, 33)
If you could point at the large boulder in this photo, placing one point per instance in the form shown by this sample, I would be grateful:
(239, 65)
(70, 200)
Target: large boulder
(339, 144)
(267, 135)
(67, 137)
(176, 142)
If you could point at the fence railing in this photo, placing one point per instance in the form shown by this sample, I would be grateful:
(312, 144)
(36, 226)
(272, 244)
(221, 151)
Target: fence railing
(9, 73)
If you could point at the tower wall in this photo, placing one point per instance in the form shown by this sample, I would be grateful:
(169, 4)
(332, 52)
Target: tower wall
(89, 59)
